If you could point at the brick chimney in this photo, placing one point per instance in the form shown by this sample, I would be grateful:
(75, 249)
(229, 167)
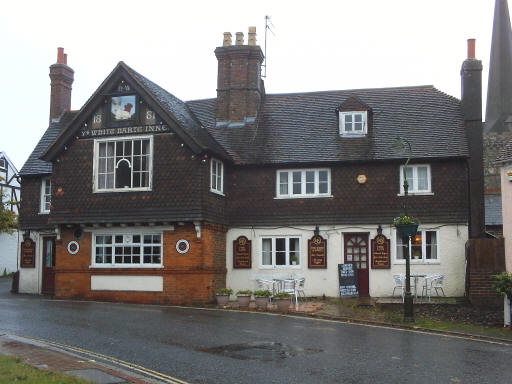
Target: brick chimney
(61, 79)
(471, 98)
(240, 88)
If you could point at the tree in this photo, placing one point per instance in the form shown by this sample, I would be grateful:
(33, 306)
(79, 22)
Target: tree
(8, 219)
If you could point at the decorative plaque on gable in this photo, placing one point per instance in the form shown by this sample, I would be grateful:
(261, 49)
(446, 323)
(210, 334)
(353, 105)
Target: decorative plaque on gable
(381, 255)
(242, 257)
(28, 254)
(317, 252)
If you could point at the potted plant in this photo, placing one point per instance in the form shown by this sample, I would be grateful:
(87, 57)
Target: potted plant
(406, 225)
(222, 295)
(261, 298)
(283, 300)
(244, 297)
(294, 259)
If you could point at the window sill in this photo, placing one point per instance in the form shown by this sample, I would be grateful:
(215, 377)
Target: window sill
(267, 267)
(419, 262)
(125, 266)
(122, 190)
(44, 213)
(303, 197)
(217, 192)
(353, 135)
(416, 194)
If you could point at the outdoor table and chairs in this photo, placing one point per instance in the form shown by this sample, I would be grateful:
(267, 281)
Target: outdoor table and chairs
(432, 282)
(293, 286)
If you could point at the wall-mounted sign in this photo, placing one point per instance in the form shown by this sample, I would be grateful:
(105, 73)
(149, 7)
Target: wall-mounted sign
(347, 274)
(381, 255)
(155, 128)
(182, 246)
(73, 247)
(28, 254)
(317, 252)
(242, 257)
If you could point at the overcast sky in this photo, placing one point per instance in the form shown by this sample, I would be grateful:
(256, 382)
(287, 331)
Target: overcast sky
(316, 46)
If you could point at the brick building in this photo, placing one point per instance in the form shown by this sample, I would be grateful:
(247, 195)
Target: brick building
(142, 197)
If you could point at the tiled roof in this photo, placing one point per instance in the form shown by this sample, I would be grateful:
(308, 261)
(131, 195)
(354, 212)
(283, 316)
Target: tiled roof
(505, 154)
(34, 165)
(303, 127)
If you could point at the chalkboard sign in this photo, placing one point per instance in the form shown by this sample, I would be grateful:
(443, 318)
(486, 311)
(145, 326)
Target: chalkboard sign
(348, 279)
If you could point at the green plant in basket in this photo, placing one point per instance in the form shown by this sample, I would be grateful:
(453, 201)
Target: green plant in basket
(282, 295)
(404, 219)
(244, 292)
(224, 291)
(262, 293)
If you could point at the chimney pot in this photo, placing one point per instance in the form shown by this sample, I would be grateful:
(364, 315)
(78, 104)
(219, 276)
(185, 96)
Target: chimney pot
(239, 38)
(252, 35)
(471, 48)
(227, 39)
(60, 56)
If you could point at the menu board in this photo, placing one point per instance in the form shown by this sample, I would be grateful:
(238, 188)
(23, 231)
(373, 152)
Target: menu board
(242, 253)
(381, 255)
(348, 279)
(317, 252)
(28, 254)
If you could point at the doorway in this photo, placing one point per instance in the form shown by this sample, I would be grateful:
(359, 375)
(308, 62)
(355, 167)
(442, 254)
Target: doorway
(48, 286)
(356, 252)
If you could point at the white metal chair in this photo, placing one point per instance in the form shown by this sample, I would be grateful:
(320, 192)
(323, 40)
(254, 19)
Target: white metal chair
(299, 287)
(433, 282)
(289, 286)
(267, 284)
(399, 284)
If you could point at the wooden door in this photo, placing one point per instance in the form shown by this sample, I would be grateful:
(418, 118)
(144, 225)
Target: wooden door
(48, 266)
(356, 252)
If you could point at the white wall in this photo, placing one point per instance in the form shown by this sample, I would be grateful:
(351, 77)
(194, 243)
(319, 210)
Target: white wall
(451, 260)
(8, 252)
(31, 278)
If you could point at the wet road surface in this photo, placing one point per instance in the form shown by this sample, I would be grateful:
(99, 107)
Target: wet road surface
(209, 346)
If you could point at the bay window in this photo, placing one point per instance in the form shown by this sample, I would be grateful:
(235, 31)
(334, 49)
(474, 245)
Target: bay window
(127, 250)
(123, 164)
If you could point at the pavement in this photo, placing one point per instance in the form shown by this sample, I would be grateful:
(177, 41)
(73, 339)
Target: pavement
(104, 370)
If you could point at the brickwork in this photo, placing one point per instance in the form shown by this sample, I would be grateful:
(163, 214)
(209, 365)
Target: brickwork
(61, 80)
(188, 278)
(486, 258)
(252, 196)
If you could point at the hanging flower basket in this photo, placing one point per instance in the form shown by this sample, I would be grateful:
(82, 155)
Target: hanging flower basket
(406, 225)
(406, 230)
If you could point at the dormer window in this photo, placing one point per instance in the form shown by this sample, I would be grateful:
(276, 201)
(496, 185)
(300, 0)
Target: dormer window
(353, 123)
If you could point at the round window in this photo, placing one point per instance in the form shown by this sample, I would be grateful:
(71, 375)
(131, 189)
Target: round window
(73, 247)
(182, 246)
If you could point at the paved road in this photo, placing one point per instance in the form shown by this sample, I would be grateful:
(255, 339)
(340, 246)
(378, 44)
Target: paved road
(202, 346)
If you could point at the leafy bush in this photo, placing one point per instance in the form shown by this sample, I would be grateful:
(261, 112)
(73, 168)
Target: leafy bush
(282, 295)
(224, 291)
(503, 284)
(263, 293)
(244, 292)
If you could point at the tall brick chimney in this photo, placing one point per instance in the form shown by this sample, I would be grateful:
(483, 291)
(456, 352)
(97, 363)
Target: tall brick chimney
(240, 88)
(61, 79)
(471, 97)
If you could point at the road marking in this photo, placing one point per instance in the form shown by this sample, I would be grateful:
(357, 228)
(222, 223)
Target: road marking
(126, 364)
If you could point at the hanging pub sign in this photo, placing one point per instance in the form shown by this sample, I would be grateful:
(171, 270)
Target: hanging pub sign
(28, 254)
(242, 253)
(317, 252)
(381, 255)
(347, 274)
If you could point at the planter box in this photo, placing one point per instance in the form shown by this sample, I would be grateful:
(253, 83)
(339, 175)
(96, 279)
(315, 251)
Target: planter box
(283, 304)
(406, 230)
(222, 299)
(243, 300)
(261, 302)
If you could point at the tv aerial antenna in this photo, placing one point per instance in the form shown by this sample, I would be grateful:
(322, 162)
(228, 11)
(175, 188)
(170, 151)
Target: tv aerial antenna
(268, 25)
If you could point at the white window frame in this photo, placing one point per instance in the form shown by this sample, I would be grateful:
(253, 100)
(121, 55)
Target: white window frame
(423, 259)
(288, 264)
(124, 233)
(215, 178)
(353, 114)
(46, 198)
(116, 139)
(413, 184)
(303, 194)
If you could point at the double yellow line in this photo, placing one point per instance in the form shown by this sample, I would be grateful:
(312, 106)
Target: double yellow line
(131, 366)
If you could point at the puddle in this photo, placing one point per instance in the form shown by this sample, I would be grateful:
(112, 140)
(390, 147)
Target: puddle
(261, 351)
